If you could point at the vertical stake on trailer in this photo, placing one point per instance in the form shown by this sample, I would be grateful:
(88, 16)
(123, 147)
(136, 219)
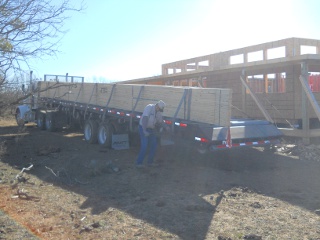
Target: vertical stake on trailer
(75, 101)
(85, 112)
(183, 98)
(135, 105)
(107, 104)
(189, 103)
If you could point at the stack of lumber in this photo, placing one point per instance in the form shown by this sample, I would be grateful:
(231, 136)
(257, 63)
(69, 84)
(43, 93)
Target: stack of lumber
(205, 105)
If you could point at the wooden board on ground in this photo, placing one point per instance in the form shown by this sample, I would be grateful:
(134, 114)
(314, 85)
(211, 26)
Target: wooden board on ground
(205, 105)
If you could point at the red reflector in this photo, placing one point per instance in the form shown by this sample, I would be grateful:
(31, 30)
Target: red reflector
(221, 146)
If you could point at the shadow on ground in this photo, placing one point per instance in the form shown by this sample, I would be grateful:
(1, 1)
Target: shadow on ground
(170, 197)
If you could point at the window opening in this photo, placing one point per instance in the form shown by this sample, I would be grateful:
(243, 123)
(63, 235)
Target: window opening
(237, 59)
(314, 81)
(270, 83)
(308, 49)
(276, 52)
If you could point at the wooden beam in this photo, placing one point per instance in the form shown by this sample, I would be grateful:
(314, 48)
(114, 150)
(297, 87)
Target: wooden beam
(257, 101)
(265, 78)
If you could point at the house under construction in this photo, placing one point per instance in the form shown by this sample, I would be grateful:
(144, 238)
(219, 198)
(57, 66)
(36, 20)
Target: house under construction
(278, 81)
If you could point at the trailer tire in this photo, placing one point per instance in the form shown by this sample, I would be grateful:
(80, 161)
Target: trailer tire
(90, 131)
(105, 132)
(50, 122)
(41, 120)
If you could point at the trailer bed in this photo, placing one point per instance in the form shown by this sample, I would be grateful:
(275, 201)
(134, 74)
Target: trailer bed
(200, 116)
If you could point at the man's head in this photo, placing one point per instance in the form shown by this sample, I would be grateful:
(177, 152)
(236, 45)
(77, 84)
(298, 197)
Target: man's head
(160, 105)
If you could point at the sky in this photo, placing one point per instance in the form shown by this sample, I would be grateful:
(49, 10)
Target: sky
(114, 40)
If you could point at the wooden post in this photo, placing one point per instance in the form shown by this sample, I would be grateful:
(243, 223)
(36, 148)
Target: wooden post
(266, 85)
(265, 54)
(304, 112)
(307, 94)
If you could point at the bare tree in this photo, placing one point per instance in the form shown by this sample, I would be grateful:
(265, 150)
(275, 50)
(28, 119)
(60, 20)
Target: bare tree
(30, 29)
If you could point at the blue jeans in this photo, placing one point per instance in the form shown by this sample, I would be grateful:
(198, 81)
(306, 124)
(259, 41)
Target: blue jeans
(148, 145)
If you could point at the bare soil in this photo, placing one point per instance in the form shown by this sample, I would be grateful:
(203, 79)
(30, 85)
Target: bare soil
(57, 186)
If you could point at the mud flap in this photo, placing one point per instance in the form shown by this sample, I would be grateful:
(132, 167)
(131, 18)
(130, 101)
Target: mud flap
(120, 141)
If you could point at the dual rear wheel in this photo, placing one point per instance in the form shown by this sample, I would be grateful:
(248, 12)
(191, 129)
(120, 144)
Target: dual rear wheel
(50, 121)
(93, 131)
(101, 133)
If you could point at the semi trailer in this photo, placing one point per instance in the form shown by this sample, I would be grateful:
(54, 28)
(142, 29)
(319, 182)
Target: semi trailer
(200, 117)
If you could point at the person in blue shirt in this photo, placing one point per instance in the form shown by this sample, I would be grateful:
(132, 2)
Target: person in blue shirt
(150, 119)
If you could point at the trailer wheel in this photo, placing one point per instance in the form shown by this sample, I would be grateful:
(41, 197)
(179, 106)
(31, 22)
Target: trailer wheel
(41, 120)
(50, 122)
(90, 131)
(105, 132)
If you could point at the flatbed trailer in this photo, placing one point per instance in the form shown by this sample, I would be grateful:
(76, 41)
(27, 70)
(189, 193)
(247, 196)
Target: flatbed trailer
(200, 117)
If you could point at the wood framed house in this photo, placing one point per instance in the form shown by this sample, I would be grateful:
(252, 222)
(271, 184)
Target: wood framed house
(278, 81)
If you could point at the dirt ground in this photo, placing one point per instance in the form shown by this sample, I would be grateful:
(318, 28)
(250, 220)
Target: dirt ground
(56, 186)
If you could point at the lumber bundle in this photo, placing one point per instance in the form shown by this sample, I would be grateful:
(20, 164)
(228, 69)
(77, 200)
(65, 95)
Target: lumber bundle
(205, 105)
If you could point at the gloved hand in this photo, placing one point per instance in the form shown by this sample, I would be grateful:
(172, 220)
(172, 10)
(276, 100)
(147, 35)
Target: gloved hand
(146, 133)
